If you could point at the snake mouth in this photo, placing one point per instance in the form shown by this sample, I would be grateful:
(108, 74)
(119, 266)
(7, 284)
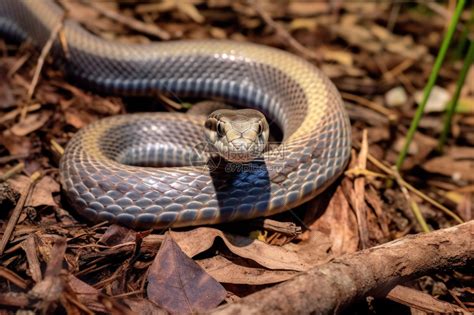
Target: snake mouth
(243, 151)
(239, 153)
(242, 156)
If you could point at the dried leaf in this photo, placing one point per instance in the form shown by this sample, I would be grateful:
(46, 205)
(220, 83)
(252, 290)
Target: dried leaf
(340, 56)
(116, 235)
(446, 165)
(198, 240)
(78, 118)
(314, 249)
(6, 95)
(190, 10)
(16, 145)
(179, 284)
(339, 222)
(144, 307)
(42, 192)
(85, 293)
(226, 271)
(310, 8)
(32, 122)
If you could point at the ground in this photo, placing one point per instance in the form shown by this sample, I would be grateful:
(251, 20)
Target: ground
(379, 55)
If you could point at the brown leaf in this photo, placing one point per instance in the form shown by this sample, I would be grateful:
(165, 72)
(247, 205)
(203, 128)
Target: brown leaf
(32, 122)
(6, 96)
(179, 284)
(78, 118)
(86, 294)
(116, 235)
(339, 222)
(198, 240)
(49, 290)
(16, 145)
(297, 8)
(315, 249)
(144, 307)
(42, 192)
(418, 150)
(446, 165)
(226, 271)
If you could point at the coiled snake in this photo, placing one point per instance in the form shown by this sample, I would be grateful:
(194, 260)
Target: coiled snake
(109, 169)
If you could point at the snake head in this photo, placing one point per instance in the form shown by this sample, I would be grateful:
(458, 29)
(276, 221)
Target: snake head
(238, 136)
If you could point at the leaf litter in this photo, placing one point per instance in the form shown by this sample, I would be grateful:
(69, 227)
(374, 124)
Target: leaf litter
(370, 56)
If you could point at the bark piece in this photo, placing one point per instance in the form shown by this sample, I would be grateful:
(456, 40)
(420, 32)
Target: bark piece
(375, 271)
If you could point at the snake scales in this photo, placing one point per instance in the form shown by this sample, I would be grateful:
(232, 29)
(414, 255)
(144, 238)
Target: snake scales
(105, 171)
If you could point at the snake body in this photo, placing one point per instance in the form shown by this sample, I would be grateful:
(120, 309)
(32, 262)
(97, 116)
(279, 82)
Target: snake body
(145, 170)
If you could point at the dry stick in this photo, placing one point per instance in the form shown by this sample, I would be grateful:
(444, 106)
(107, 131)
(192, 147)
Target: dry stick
(16, 212)
(375, 271)
(413, 205)
(132, 23)
(9, 158)
(358, 193)
(12, 277)
(402, 182)
(423, 301)
(391, 115)
(49, 290)
(12, 171)
(30, 247)
(12, 114)
(39, 65)
(398, 69)
(282, 32)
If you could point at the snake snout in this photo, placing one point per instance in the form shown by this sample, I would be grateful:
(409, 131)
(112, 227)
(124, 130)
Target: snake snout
(243, 150)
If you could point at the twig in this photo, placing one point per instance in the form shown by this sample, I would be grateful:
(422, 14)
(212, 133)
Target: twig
(8, 158)
(18, 64)
(398, 69)
(358, 193)
(391, 116)
(39, 65)
(30, 247)
(132, 23)
(168, 102)
(420, 194)
(16, 212)
(413, 204)
(283, 33)
(331, 287)
(15, 169)
(14, 113)
(12, 277)
(423, 301)
(57, 147)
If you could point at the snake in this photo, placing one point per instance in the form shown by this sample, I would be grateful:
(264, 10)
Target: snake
(154, 170)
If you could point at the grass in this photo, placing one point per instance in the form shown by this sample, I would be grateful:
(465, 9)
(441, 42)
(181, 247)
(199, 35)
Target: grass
(431, 82)
(454, 101)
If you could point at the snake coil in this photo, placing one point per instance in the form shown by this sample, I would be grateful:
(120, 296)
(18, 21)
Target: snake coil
(105, 170)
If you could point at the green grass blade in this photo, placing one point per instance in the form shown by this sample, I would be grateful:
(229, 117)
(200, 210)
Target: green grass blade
(431, 81)
(454, 102)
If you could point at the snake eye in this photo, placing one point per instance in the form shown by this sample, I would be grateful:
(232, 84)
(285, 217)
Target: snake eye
(220, 129)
